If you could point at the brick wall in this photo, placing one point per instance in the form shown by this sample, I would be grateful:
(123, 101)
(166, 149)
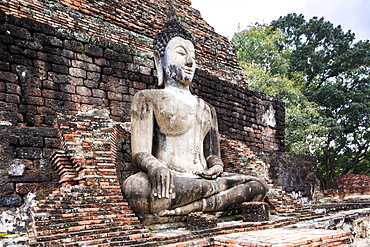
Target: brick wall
(65, 57)
(46, 69)
(24, 163)
(349, 185)
(293, 172)
(132, 22)
(244, 115)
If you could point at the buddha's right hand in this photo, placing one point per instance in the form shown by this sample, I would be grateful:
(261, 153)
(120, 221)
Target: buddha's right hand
(162, 180)
(160, 176)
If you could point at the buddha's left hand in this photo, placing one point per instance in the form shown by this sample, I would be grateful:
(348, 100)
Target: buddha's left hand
(211, 173)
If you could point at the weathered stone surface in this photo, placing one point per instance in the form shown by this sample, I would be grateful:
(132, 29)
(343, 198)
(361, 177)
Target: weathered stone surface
(199, 221)
(15, 220)
(29, 153)
(174, 141)
(6, 189)
(361, 227)
(12, 200)
(33, 176)
(16, 169)
(57, 56)
(255, 211)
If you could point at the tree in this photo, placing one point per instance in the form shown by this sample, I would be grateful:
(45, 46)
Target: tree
(267, 65)
(346, 102)
(336, 72)
(319, 50)
(323, 77)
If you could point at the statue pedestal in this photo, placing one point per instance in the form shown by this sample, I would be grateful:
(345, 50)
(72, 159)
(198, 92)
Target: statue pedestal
(255, 211)
(199, 221)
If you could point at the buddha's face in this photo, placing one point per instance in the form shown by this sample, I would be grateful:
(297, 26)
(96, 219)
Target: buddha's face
(179, 61)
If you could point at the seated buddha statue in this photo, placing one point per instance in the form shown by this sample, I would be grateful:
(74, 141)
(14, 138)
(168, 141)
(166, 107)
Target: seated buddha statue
(175, 141)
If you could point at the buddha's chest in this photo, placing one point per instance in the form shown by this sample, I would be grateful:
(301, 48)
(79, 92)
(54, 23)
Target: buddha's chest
(175, 117)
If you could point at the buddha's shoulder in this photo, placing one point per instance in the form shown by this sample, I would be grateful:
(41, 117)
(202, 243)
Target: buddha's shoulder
(150, 93)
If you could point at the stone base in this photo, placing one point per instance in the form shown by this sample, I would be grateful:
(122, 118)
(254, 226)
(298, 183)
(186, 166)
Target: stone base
(200, 221)
(255, 211)
(151, 219)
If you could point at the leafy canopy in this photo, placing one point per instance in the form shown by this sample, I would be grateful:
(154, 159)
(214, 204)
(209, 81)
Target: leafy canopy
(323, 77)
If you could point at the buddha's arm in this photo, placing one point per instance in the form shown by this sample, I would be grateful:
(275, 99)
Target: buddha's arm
(212, 150)
(142, 142)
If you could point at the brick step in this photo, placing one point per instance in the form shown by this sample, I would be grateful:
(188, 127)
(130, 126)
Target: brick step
(57, 211)
(82, 204)
(111, 192)
(98, 242)
(93, 238)
(73, 202)
(204, 242)
(69, 224)
(80, 232)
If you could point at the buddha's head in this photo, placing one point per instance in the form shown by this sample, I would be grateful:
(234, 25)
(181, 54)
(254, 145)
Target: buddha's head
(174, 52)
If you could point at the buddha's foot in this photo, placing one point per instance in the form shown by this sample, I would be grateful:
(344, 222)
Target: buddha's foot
(176, 211)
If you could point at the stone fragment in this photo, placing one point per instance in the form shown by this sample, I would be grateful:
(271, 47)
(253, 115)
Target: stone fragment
(361, 227)
(16, 169)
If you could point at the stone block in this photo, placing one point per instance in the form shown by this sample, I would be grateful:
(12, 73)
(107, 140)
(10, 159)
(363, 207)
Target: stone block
(16, 169)
(98, 93)
(76, 72)
(84, 58)
(94, 76)
(107, 71)
(25, 188)
(199, 221)
(33, 176)
(18, 32)
(31, 141)
(73, 45)
(11, 98)
(84, 91)
(68, 88)
(8, 76)
(60, 68)
(12, 200)
(58, 59)
(29, 153)
(33, 100)
(91, 83)
(7, 189)
(111, 54)
(93, 51)
(255, 211)
(32, 91)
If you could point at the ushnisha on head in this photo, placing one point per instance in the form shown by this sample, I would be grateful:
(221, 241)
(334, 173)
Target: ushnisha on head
(174, 53)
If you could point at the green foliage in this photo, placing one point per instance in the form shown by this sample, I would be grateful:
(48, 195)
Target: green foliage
(323, 78)
(258, 50)
(258, 44)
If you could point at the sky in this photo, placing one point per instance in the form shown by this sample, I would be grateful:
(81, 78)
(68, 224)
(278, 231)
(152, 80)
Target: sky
(229, 16)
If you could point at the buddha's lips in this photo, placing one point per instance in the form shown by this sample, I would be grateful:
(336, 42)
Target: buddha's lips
(188, 71)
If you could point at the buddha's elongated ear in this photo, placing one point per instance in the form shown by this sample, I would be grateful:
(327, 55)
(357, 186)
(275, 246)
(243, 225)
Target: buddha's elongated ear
(158, 64)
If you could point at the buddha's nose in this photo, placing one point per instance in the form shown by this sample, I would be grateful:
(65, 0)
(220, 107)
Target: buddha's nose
(189, 61)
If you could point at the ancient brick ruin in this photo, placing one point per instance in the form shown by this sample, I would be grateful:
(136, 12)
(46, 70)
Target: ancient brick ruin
(68, 72)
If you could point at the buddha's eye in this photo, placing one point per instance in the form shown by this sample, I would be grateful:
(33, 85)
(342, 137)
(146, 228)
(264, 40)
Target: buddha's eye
(181, 51)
